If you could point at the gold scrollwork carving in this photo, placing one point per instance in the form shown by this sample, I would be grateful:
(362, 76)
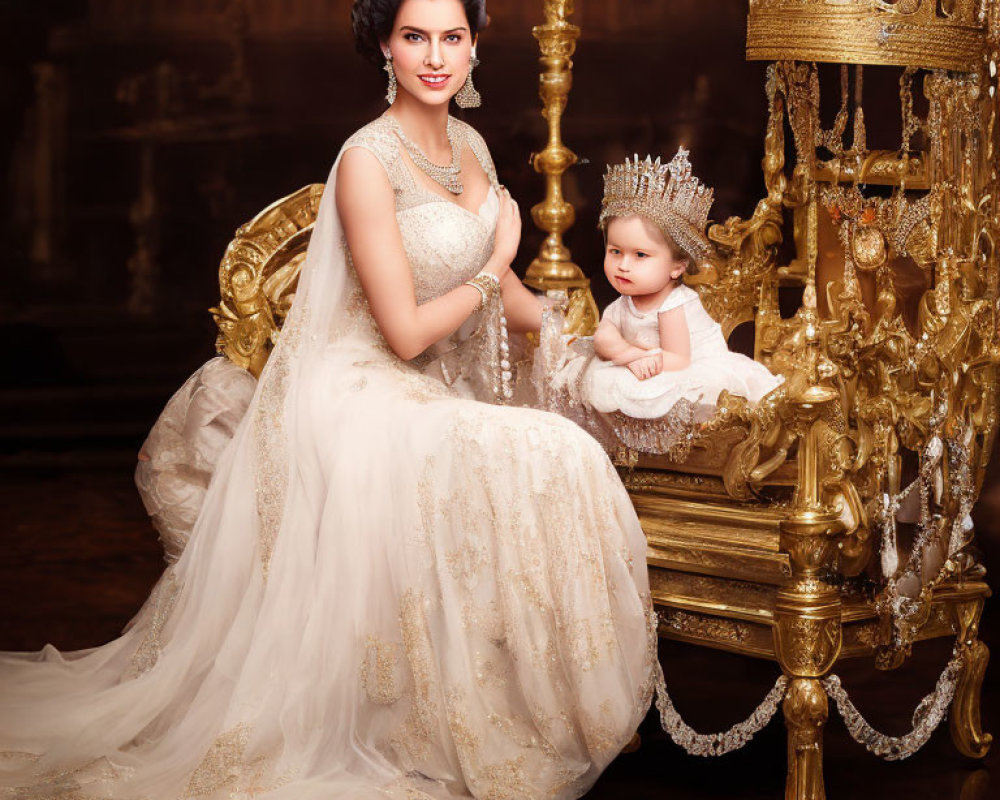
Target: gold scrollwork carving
(258, 276)
(702, 627)
(807, 646)
(966, 728)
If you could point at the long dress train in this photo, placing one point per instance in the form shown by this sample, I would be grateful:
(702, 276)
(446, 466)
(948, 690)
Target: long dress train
(391, 589)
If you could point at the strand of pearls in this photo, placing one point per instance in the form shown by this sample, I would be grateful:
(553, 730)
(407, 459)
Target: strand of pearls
(928, 715)
(715, 744)
(506, 374)
(488, 286)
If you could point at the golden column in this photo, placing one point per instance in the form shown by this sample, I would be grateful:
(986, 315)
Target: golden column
(807, 611)
(553, 268)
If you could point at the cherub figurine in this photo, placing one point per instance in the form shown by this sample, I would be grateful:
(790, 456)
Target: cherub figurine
(656, 344)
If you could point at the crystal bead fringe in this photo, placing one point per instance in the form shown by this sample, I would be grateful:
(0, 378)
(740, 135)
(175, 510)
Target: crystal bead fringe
(930, 711)
(715, 744)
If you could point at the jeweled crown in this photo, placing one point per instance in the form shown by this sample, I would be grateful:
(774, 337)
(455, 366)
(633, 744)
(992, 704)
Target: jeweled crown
(667, 194)
(916, 33)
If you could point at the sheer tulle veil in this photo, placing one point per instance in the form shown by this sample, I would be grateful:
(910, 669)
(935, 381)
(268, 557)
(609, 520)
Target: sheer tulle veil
(188, 699)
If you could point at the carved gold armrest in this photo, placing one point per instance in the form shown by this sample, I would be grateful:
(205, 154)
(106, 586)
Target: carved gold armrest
(258, 277)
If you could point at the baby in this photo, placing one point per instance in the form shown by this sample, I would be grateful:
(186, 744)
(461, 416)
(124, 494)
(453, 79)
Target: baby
(656, 344)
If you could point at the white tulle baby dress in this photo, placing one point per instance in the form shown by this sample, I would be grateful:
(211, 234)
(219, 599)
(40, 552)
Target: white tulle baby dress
(609, 388)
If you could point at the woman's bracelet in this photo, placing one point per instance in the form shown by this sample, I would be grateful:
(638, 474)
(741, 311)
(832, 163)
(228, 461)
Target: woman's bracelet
(487, 284)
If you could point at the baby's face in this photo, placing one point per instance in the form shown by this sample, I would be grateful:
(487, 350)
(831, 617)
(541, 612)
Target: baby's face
(637, 260)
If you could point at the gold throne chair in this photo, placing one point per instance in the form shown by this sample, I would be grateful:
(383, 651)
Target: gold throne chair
(778, 535)
(778, 532)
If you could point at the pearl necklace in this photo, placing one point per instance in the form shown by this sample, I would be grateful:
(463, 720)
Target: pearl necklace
(447, 176)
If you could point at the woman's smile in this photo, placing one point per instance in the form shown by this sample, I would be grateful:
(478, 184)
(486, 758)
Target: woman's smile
(434, 81)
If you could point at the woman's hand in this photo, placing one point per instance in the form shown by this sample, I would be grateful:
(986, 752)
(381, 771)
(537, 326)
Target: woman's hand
(508, 236)
(647, 366)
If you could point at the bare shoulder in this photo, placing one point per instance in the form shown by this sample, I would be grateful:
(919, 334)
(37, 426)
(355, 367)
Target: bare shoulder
(359, 162)
(378, 141)
(361, 179)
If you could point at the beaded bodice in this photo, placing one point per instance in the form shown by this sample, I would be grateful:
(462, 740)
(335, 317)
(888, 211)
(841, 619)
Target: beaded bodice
(445, 243)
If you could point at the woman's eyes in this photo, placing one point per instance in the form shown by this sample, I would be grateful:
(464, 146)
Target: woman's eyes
(451, 38)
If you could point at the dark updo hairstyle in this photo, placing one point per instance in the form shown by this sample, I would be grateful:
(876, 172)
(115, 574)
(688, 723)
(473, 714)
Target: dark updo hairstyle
(372, 22)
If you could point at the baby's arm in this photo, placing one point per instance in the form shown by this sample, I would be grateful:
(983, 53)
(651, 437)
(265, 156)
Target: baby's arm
(675, 341)
(610, 345)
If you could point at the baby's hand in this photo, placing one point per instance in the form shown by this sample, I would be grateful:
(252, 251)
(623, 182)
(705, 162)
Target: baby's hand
(647, 366)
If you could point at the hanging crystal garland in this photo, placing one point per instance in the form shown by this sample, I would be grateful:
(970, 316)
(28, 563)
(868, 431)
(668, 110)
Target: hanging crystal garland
(715, 744)
(930, 527)
(928, 715)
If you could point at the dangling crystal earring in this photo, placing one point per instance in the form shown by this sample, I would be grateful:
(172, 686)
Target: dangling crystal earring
(390, 94)
(467, 96)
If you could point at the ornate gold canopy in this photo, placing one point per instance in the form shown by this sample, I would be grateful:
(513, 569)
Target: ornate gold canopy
(934, 34)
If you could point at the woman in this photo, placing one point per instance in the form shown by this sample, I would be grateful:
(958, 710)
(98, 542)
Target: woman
(391, 588)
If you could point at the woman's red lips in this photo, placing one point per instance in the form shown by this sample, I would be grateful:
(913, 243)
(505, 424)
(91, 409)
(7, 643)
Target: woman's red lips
(434, 81)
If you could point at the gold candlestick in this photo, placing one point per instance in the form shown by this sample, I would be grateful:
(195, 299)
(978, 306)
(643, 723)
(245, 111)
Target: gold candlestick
(553, 268)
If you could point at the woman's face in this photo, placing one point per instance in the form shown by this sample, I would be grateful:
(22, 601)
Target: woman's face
(431, 46)
(637, 259)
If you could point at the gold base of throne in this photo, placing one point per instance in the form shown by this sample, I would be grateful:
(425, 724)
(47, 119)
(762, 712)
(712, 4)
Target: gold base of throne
(722, 577)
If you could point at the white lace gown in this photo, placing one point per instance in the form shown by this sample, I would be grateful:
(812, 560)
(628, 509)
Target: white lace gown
(390, 589)
(713, 368)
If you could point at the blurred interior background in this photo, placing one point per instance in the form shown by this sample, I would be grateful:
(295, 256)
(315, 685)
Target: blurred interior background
(137, 135)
